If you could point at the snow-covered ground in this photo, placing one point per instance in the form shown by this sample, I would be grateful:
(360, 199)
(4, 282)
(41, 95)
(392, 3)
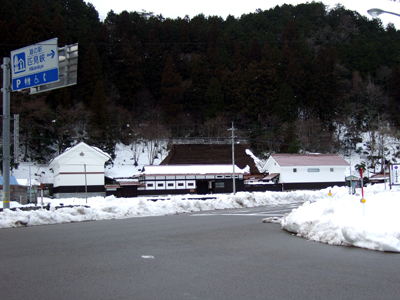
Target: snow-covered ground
(123, 167)
(330, 216)
(339, 219)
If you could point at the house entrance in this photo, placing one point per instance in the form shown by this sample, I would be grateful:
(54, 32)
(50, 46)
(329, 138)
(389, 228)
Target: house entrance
(202, 187)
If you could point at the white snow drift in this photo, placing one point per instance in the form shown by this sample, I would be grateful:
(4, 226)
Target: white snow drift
(339, 219)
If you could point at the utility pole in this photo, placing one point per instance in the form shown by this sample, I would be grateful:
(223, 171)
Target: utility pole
(383, 164)
(233, 159)
(6, 131)
(85, 182)
(383, 150)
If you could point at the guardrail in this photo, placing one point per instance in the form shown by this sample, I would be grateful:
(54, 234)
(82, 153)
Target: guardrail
(46, 207)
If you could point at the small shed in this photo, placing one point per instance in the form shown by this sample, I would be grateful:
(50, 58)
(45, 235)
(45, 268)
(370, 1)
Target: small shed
(17, 192)
(379, 178)
(307, 171)
(79, 172)
(124, 188)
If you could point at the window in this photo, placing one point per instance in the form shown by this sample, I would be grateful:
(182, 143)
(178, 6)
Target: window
(160, 184)
(190, 184)
(180, 184)
(294, 170)
(170, 184)
(149, 185)
(219, 185)
(313, 170)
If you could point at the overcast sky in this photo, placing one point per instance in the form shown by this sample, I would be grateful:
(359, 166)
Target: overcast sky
(180, 8)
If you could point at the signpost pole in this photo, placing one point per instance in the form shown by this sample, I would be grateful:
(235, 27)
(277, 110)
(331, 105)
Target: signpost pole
(6, 131)
(233, 160)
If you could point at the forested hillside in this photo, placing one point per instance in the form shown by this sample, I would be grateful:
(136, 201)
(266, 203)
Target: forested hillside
(291, 78)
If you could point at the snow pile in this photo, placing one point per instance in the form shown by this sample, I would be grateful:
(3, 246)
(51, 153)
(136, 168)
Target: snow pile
(118, 208)
(341, 219)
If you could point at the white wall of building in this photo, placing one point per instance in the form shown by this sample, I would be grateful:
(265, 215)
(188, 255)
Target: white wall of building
(312, 174)
(78, 179)
(304, 174)
(79, 166)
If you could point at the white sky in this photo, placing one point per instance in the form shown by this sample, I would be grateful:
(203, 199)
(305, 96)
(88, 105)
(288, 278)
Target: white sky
(180, 8)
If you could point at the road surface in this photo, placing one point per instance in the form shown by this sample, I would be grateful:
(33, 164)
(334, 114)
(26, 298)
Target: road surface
(228, 254)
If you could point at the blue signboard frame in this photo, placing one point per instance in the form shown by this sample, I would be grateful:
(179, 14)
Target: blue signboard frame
(35, 65)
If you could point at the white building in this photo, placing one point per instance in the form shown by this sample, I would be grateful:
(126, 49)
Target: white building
(306, 170)
(79, 172)
(181, 179)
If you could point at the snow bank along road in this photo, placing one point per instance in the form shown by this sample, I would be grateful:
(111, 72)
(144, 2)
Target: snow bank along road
(335, 218)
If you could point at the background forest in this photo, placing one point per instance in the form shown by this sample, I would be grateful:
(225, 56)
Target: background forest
(292, 78)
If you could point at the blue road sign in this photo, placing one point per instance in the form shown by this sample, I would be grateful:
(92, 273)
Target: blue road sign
(34, 65)
(36, 79)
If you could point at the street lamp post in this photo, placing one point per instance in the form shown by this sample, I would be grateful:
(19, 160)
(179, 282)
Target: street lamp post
(375, 12)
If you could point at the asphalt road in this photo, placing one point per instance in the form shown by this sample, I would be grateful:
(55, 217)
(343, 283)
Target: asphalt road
(219, 255)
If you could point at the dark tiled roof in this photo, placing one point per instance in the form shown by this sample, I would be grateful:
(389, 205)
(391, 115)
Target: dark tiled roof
(200, 154)
(289, 160)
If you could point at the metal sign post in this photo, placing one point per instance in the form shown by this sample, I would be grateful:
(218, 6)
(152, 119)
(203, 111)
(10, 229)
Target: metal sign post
(35, 67)
(6, 131)
(233, 160)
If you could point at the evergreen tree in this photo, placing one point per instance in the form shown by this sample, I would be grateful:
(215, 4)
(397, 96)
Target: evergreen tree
(214, 99)
(285, 108)
(394, 102)
(128, 77)
(99, 125)
(318, 68)
(36, 27)
(172, 92)
(198, 83)
(90, 73)
(324, 96)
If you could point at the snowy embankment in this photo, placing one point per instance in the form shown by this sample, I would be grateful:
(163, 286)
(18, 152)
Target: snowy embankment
(119, 208)
(341, 219)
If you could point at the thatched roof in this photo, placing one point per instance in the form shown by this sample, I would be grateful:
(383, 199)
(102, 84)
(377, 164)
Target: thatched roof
(200, 154)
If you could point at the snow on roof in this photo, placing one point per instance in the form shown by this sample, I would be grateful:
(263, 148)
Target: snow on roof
(380, 176)
(289, 160)
(270, 176)
(258, 162)
(192, 169)
(70, 151)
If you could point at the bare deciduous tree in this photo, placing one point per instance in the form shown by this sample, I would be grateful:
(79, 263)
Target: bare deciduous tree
(155, 136)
